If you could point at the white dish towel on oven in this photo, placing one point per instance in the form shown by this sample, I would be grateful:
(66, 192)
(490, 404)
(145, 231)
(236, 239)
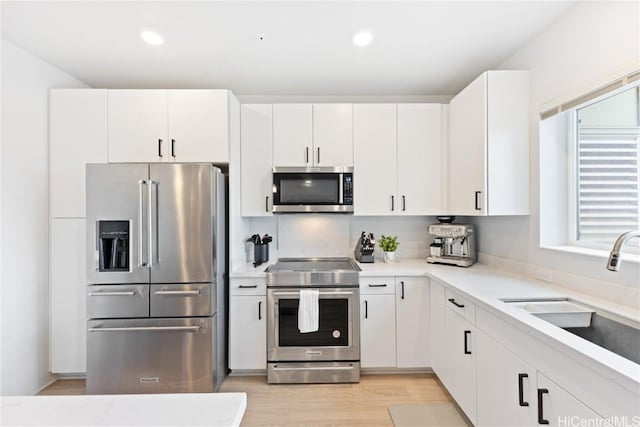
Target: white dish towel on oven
(308, 311)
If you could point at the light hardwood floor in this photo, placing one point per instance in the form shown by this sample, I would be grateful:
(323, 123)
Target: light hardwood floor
(363, 404)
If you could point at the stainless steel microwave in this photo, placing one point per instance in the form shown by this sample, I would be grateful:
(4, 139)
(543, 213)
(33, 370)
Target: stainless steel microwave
(313, 189)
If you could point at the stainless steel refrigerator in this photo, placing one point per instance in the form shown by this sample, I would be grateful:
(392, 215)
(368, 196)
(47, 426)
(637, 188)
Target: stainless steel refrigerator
(155, 270)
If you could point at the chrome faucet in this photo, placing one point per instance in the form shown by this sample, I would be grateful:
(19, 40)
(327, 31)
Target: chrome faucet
(614, 258)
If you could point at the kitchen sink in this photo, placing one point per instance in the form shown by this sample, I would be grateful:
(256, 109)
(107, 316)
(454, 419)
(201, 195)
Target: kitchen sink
(616, 334)
(560, 312)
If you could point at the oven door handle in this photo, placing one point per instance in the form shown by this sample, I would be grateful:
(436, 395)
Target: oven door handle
(315, 368)
(297, 294)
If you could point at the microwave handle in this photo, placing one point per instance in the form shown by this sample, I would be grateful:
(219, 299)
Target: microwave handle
(340, 186)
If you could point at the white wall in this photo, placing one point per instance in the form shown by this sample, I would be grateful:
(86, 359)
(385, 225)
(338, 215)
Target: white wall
(24, 327)
(335, 235)
(590, 44)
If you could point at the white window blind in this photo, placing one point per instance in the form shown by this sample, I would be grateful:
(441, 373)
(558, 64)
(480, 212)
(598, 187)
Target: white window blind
(608, 171)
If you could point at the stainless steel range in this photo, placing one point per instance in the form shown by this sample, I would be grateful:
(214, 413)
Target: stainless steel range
(332, 353)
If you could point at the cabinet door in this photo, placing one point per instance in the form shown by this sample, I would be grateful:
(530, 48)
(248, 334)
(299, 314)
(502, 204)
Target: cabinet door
(248, 332)
(412, 322)
(560, 408)
(437, 325)
(256, 159)
(68, 296)
(420, 159)
(467, 156)
(460, 378)
(137, 123)
(506, 386)
(377, 331)
(333, 135)
(292, 135)
(198, 126)
(78, 135)
(374, 157)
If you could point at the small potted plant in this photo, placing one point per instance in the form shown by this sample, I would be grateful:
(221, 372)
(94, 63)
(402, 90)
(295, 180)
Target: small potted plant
(389, 245)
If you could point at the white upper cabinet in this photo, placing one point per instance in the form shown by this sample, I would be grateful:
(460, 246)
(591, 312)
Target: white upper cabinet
(420, 159)
(168, 125)
(397, 159)
(292, 135)
(77, 136)
(488, 152)
(375, 162)
(137, 122)
(256, 159)
(198, 125)
(312, 135)
(333, 135)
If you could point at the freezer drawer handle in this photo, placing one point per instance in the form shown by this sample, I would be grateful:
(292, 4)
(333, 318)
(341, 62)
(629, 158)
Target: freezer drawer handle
(178, 293)
(315, 368)
(113, 294)
(148, 328)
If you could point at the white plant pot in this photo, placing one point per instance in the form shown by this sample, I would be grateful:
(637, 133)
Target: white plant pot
(389, 256)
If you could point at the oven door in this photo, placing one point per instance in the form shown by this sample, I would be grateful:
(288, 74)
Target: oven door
(338, 336)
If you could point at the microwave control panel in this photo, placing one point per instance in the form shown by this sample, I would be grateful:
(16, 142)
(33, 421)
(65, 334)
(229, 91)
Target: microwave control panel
(347, 189)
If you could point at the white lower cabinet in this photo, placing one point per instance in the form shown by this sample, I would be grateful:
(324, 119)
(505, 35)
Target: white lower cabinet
(412, 322)
(459, 375)
(437, 311)
(68, 332)
(247, 324)
(377, 322)
(556, 407)
(506, 386)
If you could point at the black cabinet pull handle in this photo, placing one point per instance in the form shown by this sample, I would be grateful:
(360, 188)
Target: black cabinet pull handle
(318, 159)
(477, 201)
(266, 204)
(307, 155)
(159, 148)
(402, 293)
(366, 309)
(259, 310)
(393, 203)
(521, 390)
(247, 286)
(173, 148)
(404, 204)
(466, 342)
(541, 392)
(453, 301)
(384, 285)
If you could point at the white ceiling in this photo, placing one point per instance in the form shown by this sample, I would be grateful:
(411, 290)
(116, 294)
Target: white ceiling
(419, 47)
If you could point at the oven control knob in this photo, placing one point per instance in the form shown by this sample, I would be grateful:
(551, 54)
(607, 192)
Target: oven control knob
(336, 334)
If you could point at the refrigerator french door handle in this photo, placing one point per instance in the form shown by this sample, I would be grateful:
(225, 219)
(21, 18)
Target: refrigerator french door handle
(141, 261)
(152, 215)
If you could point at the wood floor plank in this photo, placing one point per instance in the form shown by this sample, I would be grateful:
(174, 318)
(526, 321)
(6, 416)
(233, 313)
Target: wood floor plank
(321, 405)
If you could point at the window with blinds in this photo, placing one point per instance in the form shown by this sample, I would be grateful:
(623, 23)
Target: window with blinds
(607, 169)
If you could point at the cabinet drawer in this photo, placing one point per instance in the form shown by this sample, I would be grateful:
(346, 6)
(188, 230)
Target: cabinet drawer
(248, 286)
(117, 301)
(377, 285)
(174, 300)
(461, 305)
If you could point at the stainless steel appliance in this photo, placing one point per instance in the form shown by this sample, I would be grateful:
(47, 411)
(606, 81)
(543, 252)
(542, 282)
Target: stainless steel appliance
(313, 189)
(365, 247)
(332, 353)
(155, 269)
(454, 244)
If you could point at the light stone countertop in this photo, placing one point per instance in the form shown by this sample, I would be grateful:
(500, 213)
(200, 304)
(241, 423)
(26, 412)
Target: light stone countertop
(180, 409)
(486, 286)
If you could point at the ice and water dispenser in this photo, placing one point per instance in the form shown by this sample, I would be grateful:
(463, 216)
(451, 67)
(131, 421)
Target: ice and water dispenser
(113, 245)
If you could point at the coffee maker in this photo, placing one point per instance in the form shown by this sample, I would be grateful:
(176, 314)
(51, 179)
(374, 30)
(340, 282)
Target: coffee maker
(453, 244)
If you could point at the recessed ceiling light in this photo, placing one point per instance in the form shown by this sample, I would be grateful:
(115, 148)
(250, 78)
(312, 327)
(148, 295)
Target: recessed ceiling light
(151, 37)
(362, 38)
